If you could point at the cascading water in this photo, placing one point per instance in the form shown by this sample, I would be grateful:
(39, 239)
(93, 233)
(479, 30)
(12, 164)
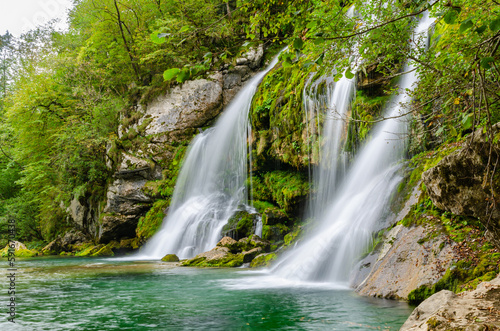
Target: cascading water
(329, 252)
(326, 255)
(336, 98)
(211, 184)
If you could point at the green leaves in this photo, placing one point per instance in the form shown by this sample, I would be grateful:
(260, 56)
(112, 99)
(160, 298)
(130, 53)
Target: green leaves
(451, 16)
(158, 38)
(298, 44)
(466, 121)
(348, 74)
(467, 24)
(486, 62)
(495, 25)
(170, 73)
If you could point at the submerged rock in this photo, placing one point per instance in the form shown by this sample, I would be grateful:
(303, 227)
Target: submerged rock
(170, 258)
(475, 310)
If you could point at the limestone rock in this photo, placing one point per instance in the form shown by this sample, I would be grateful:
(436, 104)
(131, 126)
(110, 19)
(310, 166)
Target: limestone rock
(455, 184)
(229, 243)
(408, 259)
(252, 57)
(475, 310)
(191, 105)
(66, 242)
(170, 258)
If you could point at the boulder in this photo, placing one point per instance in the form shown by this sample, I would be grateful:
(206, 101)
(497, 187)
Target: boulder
(248, 256)
(229, 243)
(252, 58)
(408, 259)
(475, 310)
(241, 224)
(273, 216)
(67, 242)
(457, 183)
(170, 258)
(191, 105)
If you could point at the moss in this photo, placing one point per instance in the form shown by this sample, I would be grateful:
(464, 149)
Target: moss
(105, 251)
(365, 109)
(263, 260)
(230, 261)
(288, 189)
(170, 258)
(151, 222)
(240, 225)
(261, 206)
(278, 116)
(291, 237)
(275, 232)
(89, 250)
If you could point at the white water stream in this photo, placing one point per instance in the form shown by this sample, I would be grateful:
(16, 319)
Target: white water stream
(327, 254)
(211, 183)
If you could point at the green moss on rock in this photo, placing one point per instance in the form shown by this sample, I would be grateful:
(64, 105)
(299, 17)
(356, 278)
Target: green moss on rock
(263, 260)
(151, 222)
(170, 258)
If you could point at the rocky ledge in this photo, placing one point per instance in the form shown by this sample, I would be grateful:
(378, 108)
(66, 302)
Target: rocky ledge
(474, 310)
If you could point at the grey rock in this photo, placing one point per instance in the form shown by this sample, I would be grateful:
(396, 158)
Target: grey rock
(455, 184)
(474, 310)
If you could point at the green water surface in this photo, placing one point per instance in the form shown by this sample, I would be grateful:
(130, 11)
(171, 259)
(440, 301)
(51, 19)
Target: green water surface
(104, 294)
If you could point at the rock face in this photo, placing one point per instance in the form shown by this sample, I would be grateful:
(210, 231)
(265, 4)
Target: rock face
(151, 139)
(457, 183)
(406, 260)
(66, 242)
(191, 105)
(475, 310)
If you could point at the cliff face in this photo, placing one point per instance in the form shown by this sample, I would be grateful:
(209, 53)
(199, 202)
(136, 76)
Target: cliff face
(151, 143)
(466, 182)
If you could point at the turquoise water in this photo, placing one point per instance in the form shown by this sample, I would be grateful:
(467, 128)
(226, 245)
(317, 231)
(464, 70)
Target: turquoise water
(103, 294)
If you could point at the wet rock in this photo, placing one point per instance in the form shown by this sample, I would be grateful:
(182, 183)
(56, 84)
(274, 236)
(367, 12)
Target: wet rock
(241, 224)
(170, 258)
(475, 310)
(66, 243)
(263, 260)
(248, 256)
(273, 216)
(217, 257)
(229, 243)
(456, 183)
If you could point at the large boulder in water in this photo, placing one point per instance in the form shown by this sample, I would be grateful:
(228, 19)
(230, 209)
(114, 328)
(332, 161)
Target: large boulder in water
(459, 182)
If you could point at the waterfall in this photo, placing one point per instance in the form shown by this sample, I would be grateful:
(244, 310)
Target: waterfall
(329, 251)
(211, 183)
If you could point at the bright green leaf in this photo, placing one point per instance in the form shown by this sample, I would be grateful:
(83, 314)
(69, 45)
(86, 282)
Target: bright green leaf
(319, 60)
(467, 121)
(349, 74)
(183, 75)
(171, 73)
(157, 38)
(319, 41)
(184, 28)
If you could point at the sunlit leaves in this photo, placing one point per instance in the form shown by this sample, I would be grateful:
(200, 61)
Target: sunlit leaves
(171, 73)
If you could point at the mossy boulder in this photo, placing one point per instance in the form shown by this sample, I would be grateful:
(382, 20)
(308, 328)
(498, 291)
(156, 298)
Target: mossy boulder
(263, 260)
(151, 222)
(240, 225)
(246, 244)
(18, 249)
(107, 250)
(170, 258)
(217, 257)
(248, 256)
(229, 243)
(273, 216)
(274, 233)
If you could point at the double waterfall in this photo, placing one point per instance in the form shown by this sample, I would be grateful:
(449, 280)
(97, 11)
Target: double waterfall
(350, 201)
